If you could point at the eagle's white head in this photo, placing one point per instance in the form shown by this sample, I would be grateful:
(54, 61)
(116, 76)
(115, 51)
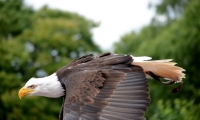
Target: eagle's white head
(48, 86)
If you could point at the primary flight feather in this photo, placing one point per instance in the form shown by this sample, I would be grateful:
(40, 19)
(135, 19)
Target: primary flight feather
(108, 86)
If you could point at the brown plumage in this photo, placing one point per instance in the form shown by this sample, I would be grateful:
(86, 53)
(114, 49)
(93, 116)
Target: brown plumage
(110, 86)
(104, 87)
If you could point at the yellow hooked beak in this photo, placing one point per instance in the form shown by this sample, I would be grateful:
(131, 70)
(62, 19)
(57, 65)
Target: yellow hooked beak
(24, 91)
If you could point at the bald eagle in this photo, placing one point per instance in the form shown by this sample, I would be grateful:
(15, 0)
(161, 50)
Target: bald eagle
(105, 87)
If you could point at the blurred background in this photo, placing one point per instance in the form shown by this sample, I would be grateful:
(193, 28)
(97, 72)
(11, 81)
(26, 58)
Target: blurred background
(37, 38)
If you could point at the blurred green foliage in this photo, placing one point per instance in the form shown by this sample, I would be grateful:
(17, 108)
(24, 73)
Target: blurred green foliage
(177, 38)
(36, 44)
(14, 17)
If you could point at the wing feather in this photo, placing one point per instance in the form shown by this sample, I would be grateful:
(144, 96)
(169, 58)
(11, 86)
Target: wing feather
(106, 87)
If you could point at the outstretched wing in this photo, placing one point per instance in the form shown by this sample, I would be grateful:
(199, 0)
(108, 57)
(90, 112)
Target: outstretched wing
(108, 87)
(108, 94)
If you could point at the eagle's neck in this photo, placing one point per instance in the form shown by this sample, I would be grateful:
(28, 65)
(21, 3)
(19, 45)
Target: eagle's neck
(50, 87)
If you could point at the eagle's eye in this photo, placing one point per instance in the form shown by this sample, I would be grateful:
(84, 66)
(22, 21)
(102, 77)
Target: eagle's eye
(32, 86)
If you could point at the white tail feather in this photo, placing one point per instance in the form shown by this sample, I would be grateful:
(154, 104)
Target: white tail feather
(162, 68)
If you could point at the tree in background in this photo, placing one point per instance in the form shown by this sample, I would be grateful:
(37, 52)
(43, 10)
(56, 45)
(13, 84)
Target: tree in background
(35, 44)
(14, 18)
(178, 38)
